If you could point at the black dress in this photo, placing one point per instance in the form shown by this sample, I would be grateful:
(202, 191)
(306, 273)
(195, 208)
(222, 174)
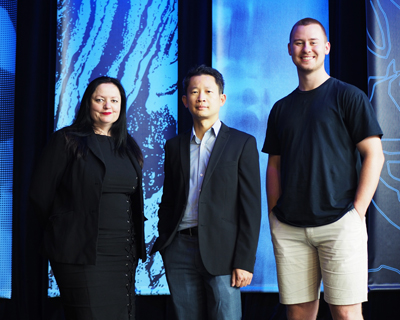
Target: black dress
(106, 290)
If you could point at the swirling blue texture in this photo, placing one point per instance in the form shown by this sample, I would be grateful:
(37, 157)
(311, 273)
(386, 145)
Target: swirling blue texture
(136, 42)
(384, 92)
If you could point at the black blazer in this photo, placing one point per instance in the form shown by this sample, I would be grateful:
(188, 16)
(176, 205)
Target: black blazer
(229, 203)
(66, 192)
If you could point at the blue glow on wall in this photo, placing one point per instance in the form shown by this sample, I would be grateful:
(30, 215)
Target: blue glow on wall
(250, 49)
(8, 19)
(136, 42)
(383, 47)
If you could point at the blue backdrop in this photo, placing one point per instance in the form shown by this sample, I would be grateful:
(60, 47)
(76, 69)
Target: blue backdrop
(136, 42)
(8, 19)
(250, 49)
(383, 30)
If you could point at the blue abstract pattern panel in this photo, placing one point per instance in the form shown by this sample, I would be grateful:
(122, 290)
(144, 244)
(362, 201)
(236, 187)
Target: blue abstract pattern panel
(136, 42)
(383, 30)
(8, 19)
(250, 49)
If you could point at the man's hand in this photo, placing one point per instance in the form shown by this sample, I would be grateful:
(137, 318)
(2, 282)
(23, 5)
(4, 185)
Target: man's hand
(241, 278)
(372, 161)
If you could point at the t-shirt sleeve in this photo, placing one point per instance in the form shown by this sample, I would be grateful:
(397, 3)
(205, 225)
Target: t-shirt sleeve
(359, 115)
(271, 142)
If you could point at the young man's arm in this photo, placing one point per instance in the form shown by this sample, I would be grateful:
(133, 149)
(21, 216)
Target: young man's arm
(372, 161)
(273, 180)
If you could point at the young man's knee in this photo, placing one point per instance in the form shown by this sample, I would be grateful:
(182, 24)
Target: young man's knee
(303, 311)
(349, 312)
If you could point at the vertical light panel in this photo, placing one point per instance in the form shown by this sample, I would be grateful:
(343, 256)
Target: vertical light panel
(8, 19)
(136, 42)
(250, 49)
(383, 47)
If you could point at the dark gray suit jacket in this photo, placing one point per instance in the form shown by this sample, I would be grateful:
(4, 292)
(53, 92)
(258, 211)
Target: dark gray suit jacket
(229, 203)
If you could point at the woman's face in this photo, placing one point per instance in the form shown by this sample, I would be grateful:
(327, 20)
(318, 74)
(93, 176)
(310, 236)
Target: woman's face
(105, 106)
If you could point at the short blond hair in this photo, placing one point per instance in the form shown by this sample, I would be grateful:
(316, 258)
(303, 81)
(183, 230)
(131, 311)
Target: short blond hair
(306, 22)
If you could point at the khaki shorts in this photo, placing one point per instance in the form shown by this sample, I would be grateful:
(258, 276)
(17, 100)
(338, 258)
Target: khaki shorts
(336, 252)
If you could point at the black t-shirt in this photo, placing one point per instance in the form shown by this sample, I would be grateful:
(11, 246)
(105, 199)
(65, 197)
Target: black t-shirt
(315, 132)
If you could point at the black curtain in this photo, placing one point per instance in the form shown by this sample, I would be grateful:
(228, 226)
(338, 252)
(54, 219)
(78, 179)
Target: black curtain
(34, 101)
(34, 121)
(347, 35)
(194, 46)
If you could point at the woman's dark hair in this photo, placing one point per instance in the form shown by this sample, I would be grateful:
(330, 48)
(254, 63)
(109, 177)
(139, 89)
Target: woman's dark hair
(82, 126)
(204, 70)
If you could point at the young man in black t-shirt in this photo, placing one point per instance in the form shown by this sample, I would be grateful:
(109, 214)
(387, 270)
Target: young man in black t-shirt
(316, 196)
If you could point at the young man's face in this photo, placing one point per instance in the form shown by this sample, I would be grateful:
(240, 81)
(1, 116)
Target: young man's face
(203, 98)
(308, 48)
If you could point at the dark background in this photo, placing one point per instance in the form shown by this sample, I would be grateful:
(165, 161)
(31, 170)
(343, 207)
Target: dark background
(34, 105)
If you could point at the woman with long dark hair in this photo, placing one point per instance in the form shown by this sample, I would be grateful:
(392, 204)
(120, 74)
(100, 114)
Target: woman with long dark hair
(87, 190)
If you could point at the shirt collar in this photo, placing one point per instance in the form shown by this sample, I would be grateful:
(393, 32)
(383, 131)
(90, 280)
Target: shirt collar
(215, 127)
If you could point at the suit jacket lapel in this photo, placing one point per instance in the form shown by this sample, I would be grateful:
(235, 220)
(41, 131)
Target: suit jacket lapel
(219, 146)
(184, 149)
(94, 146)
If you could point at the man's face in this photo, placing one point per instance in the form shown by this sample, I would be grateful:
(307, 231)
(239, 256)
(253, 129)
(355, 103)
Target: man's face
(308, 48)
(203, 98)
